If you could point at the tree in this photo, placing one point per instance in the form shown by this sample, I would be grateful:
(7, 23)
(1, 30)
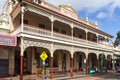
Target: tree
(117, 41)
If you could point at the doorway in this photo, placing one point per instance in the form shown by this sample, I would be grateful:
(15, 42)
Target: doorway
(80, 62)
(3, 67)
(17, 63)
(64, 62)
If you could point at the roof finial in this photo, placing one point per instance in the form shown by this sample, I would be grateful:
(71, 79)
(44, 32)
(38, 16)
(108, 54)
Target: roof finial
(96, 23)
(87, 18)
(69, 4)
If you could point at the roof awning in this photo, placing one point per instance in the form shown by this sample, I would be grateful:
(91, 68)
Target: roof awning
(117, 55)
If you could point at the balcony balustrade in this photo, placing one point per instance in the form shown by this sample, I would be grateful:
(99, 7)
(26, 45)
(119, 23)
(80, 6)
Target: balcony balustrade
(92, 43)
(117, 48)
(82, 41)
(103, 45)
(36, 31)
(62, 37)
(32, 30)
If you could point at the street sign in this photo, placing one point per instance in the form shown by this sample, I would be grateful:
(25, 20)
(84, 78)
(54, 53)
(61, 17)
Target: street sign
(43, 56)
(43, 62)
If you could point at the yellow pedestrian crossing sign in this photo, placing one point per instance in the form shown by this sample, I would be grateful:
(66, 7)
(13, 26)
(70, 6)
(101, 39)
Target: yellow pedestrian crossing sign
(43, 56)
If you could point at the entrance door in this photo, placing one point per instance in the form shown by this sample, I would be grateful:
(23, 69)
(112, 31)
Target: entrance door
(25, 63)
(64, 62)
(3, 67)
(80, 62)
(17, 62)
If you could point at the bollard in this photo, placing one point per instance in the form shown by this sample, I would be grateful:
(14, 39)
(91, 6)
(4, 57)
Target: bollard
(36, 71)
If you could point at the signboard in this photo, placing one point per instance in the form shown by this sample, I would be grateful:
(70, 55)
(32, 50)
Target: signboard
(84, 60)
(43, 56)
(8, 40)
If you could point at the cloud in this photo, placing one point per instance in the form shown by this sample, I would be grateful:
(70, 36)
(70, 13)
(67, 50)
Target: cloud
(103, 8)
(88, 5)
(2, 2)
(101, 15)
(114, 5)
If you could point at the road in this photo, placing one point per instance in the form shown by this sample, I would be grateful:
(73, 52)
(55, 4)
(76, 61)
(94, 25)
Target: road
(100, 76)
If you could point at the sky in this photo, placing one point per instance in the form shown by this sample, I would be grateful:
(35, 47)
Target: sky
(2, 2)
(105, 12)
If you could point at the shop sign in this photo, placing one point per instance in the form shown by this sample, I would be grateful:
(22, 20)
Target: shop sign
(8, 40)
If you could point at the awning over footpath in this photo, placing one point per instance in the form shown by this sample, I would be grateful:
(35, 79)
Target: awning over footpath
(117, 55)
(8, 40)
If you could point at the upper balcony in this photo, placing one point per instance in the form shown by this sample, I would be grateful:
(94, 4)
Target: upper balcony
(117, 48)
(33, 31)
(66, 10)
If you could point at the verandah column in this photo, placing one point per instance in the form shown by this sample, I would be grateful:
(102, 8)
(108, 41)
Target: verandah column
(86, 35)
(113, 63)
(72, 70)
(72, 63)
(97, 38)
(106, 63)
(72, 60)
(51, 58)
(51, 68)
(51, 63)
(21, 46)
(21, 60)
(72, 31)
(86, 66)
(86, 61)
(98, 63)
(21, 67)
(52, 20)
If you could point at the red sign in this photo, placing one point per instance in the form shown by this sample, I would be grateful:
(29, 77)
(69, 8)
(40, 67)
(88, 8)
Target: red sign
(8, 40)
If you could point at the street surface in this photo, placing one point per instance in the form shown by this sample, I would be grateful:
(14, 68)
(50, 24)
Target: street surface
(100, 76)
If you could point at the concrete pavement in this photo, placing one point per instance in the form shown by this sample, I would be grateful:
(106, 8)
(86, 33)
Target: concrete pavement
(98, 76)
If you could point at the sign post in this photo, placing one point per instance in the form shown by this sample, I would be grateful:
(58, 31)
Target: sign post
(84, 66)
(43, 56)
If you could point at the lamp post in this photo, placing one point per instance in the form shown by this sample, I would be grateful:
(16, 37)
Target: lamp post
(113, 64)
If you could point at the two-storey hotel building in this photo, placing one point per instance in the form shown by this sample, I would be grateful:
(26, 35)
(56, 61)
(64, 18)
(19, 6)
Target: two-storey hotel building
(73, 45)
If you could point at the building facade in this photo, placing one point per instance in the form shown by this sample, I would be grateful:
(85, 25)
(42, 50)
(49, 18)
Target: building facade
(73, 45)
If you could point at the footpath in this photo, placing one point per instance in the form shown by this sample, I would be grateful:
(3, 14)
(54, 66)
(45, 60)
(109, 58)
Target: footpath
(97, 76)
